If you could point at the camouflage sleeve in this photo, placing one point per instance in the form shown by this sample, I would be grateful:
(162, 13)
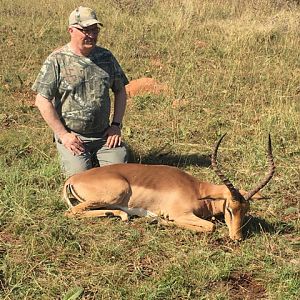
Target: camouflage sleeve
(46, 83)
(120, 79)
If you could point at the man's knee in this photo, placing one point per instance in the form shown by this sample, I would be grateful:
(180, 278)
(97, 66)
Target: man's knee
(73, 167)
(73, 164)
(109, 156)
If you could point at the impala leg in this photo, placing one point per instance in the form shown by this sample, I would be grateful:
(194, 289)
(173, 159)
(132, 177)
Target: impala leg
(192, 222)
(84, 210)
(94, 200)
(80, 208)
(99, 213)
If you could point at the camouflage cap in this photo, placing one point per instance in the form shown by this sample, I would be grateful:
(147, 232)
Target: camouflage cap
(84, 17)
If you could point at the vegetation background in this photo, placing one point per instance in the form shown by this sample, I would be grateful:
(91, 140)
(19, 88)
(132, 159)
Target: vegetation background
(231, 66)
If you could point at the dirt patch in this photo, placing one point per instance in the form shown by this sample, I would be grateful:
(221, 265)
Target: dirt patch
(7, 239)
(26, 97)
(291, 206)
(179, 103)
(292, 199)
(225, 244)
(156, 62)
(244, 286)
(144, 86)
(200, 44)
(240, 286)
(7, 120)
(144, 267)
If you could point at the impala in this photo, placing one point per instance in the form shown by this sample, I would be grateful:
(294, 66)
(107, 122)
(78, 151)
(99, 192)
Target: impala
(161, 191)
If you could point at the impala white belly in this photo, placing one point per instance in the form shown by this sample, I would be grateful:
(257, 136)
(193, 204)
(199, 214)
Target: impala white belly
(136, 211)
(145, 202)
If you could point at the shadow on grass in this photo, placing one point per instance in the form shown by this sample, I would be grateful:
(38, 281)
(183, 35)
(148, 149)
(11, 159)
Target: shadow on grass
(164, 157)
(255, 225)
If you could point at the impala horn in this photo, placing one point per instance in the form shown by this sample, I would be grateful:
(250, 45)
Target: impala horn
(268, 176)
(236, 195)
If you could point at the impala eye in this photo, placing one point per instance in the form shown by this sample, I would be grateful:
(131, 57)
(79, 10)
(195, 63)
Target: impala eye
(230, 212)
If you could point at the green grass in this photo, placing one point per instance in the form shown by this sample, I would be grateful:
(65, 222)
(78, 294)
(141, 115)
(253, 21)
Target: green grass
(234, 65)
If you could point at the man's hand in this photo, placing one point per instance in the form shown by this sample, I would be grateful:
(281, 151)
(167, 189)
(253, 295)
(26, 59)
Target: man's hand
(73, 143)
(113, 134)
(48, 112)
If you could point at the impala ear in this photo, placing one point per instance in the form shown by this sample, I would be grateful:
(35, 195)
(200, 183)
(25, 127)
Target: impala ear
(256, 196)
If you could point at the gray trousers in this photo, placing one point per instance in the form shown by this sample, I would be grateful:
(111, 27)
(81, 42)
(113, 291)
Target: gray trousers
(95, 150)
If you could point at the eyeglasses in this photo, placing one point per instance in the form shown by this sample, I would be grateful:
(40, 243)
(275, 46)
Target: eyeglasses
(85, 31)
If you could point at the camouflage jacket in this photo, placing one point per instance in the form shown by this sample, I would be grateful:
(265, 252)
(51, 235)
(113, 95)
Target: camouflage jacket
(79, 87)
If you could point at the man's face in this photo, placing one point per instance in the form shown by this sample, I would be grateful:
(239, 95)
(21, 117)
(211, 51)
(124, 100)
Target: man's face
(85, 38)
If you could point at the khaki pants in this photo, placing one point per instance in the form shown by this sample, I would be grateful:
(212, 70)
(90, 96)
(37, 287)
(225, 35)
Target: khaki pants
(95, 149)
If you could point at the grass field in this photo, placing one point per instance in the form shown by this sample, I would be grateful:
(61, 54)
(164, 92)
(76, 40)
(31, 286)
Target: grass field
(231, 66)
